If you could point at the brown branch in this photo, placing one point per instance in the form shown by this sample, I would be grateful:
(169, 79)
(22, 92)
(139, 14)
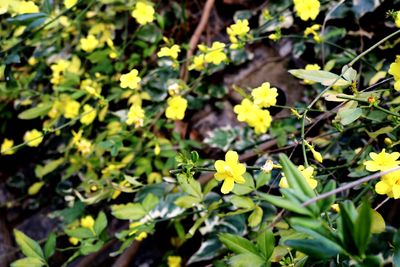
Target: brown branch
(126, 258)
(194, 40)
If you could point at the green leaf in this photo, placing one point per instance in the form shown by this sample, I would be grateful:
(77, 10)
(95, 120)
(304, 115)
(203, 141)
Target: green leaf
(150, 202)
(294, 177)
(25, 19)
(285, 204)
(242, 202)
(347, 116)
(50, 245)
(255, 217)
(266, 243)
(80, 233)
(246, 259)
(313, 247)
(238, 244)
(262, 179)
(87, 248)
(32, 113)
(325, 204)
(189, 185)
(130, 211)
(362, 231)
(349, 74)
(346, 227)
(28, 246)
(28, 262)
(186, 201)
(100, 223)
(50, 166)
(246, 188)
(325, 78)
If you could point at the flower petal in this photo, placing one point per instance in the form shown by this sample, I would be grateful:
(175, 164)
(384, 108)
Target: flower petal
(231, 157)
(227, 186)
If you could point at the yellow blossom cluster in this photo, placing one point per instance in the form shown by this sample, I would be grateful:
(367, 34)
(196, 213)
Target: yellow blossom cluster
(214, 54)
(61, 66)
(307, 9)
(308, 174)
(394, 70)
(83, 145)
(230, 171)
(389, 183)
(238, 33)
(143, 12)
(252, 112)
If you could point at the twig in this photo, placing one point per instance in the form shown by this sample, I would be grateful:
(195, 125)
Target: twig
(194, 40)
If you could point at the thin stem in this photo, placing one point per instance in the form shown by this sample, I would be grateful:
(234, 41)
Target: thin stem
(375, 105)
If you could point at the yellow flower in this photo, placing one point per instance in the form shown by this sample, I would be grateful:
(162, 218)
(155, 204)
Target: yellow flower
(169, 52)
(307, 174)
(311, 67)
(215, 54)
(73, 240)
(33, 138)
(84, 146)
(229, 171)
(135, 116)
(176, 108)
(174, 261)
(6, 147)
(71, 109)
(394, 70)
(141, 235)
(317, 156)
(335, 207)
(89, 43)
(389, 185)
(69, 3)
(265, 96)
(382, 161)
(261, 121)
(274, 36)
(238, 31)
(313, 31)
(5, 5)
(143, 12)
(240, 28)
(87, 222)
(307, 9)
(244, 110)
(254, 116)
(130, 80)
(397, 19)
(23, 7)
(198, 63)
(90, 114)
